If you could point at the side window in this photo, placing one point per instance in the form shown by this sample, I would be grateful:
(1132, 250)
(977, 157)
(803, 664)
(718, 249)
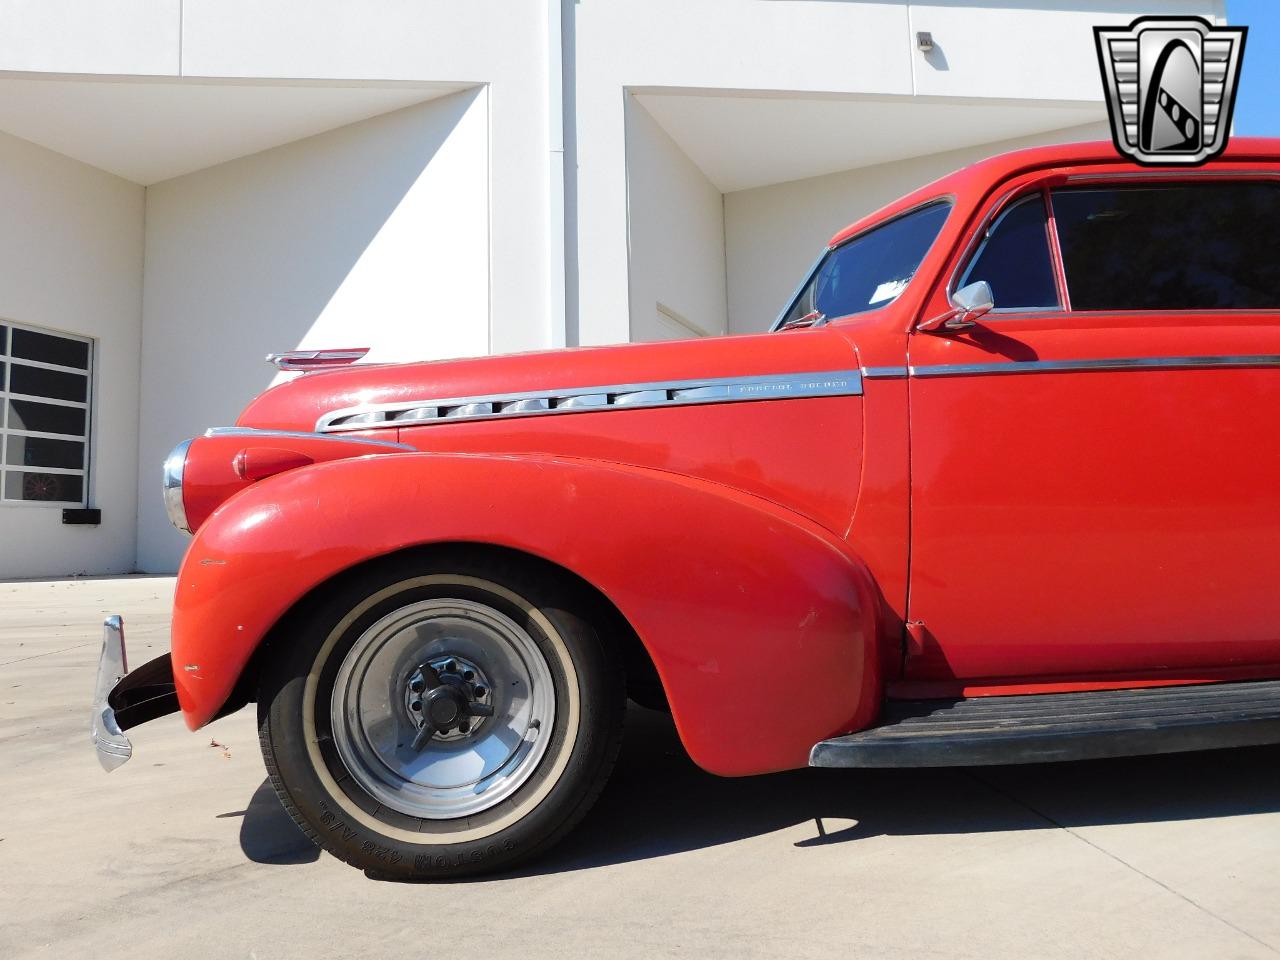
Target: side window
(44, 415)
(1014, 258)
(1178, 247)
(872, 269)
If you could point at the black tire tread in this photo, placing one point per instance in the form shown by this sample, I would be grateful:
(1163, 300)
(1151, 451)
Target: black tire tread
(517, 576)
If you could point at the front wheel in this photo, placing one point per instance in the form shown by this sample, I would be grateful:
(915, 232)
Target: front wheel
(444, 720)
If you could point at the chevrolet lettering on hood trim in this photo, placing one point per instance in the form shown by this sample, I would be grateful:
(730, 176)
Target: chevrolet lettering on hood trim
(1001, 485)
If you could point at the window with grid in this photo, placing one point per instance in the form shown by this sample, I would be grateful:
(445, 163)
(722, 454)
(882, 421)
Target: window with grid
(45, 391)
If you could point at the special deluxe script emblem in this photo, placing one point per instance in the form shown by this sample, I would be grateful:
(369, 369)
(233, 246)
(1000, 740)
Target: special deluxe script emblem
(1170, 85)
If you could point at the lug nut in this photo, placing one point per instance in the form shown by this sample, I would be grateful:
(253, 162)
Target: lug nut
(416, 705)
(416, 686)
(480, 691)
(464, 728)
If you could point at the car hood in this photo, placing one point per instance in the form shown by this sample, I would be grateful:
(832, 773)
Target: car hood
(300, 402)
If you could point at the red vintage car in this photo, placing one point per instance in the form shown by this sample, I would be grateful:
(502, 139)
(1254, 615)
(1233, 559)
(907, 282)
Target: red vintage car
(1001, 485)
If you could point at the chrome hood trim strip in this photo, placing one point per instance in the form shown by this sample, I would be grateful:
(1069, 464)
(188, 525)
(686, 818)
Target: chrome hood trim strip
(628, 396)
(1111, 363)
(251, 433)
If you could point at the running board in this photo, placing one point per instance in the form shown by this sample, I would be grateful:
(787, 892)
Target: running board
(1061, 726)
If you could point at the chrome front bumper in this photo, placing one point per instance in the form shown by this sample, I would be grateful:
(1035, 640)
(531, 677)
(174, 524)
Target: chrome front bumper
(112, 745)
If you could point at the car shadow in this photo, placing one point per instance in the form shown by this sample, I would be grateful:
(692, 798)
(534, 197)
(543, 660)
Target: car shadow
(657, 803)
(269, 835)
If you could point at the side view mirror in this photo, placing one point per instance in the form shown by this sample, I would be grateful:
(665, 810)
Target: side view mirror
(968, 304)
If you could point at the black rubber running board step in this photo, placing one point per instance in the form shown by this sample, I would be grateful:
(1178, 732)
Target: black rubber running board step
(981, 731)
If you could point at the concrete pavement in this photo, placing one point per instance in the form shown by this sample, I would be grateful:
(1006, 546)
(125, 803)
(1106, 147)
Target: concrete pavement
(184, 851)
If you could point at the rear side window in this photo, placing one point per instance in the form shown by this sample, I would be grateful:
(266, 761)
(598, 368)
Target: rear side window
(872, 269)
(1196, 246)
(1014, 258)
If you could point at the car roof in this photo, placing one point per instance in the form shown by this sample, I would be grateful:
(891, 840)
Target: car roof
(1001, 167)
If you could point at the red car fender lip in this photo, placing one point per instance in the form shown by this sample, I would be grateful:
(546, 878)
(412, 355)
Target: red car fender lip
(710, 625)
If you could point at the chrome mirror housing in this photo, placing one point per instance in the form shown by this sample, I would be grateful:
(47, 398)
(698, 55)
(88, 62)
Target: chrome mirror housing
(968, 304)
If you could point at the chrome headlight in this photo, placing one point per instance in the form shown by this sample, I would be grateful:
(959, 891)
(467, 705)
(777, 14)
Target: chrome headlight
(174, 464)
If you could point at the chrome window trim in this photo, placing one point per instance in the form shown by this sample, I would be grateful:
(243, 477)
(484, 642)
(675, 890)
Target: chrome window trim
(627, 396)
(251, 432)
(1005, 202)
(804, 285)
(1046, 182)
(988, 230)
(1165, 175)
(948, 198)
(1104, 364)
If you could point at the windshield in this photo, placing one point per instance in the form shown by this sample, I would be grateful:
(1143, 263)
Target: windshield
(871, 270)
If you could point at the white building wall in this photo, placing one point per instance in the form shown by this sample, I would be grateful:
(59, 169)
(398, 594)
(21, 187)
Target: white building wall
(138, 37)
(372, 235)
(1025, 51)
(501, 43)
(717, 44)
(676, 225)
(773, 234)
(71, 261)
(1042, 46)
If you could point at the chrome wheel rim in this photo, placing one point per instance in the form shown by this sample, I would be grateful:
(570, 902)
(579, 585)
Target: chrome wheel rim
(379, 733)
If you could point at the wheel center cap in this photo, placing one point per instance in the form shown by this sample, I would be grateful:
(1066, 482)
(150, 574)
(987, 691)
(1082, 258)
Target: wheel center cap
(449, 698)
(444, 705)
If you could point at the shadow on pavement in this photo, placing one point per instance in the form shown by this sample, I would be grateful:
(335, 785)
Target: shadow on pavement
(269, 835)
(658, 803)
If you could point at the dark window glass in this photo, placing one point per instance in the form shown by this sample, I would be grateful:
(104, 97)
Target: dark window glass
(43, 452)
(1014, 259)
(58, 487)
(38, 382)
(46, 418)
(50, 349)
(4, 339)
(1187, 247)
(870, 271)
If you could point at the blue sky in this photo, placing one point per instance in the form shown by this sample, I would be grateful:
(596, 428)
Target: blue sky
(1258, 99)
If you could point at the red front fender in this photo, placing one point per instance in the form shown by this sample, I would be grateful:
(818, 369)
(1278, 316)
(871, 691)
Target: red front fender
(761, 624)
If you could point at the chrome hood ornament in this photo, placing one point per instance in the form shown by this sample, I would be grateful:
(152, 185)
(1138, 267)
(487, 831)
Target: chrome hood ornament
(304, 360)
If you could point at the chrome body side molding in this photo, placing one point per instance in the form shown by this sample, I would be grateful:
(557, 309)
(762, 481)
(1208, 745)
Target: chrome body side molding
(1110, 363)
(251, 433)
(630, 396)
(883, 373)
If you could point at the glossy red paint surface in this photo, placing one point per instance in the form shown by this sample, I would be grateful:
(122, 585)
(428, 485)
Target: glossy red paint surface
(1053, 531)
(297, 404)
(779, 612)
(258, 463)
(219, 467)
(1114, 518)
